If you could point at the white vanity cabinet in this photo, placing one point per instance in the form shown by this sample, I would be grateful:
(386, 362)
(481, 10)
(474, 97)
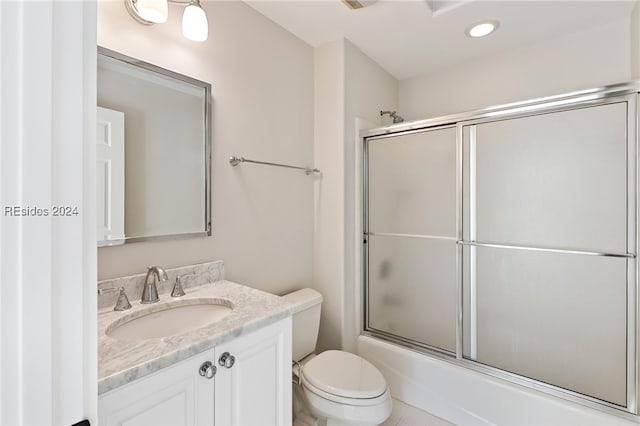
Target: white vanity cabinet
(256, 389)
(253, 386)
(176, 395)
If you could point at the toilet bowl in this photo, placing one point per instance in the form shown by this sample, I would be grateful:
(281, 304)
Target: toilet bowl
(339, 388)
(345, 389)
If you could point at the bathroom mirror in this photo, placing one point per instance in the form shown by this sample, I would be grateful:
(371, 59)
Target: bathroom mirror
(152, 152)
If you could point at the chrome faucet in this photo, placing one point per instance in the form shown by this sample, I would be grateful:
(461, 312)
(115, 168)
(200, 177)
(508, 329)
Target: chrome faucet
(150, 290)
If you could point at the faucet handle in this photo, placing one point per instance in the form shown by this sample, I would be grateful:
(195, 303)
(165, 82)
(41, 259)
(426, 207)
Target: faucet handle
(122, 304)
(177, 288)
(123, 301)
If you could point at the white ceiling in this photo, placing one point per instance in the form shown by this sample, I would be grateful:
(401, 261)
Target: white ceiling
(407, 39)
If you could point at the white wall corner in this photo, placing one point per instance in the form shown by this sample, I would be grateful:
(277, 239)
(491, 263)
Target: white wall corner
(46, 271)
(73, 245)
(350, 91)
(369, 88)
(328, 237)
(89, 252)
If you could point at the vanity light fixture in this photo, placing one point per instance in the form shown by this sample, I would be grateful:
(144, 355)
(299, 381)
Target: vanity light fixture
(482, 29)
(194, 22)
(195, 26)
(148, 11)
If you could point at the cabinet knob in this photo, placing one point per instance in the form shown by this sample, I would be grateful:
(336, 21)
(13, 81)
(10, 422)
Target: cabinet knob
(207, 369)
(226, 360)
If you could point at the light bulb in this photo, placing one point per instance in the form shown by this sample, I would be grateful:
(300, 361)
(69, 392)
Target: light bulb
(155, 11)
(482, 29)
(194, 23)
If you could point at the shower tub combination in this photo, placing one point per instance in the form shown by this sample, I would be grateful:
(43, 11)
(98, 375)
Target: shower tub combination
(499, 247)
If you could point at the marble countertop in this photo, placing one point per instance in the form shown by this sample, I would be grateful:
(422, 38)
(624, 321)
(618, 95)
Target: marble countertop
(122, 361)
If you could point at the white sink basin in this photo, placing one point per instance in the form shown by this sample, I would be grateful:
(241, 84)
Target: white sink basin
(169, 319)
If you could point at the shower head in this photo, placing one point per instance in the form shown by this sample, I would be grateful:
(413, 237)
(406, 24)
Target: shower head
(395, 117)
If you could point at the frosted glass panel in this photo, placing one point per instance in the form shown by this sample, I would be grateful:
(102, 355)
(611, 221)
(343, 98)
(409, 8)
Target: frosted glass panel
(555, 317)
(412, 183)
(412, 289)
(553, 180)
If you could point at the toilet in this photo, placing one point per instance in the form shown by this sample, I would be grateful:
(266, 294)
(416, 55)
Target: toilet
(338, 388)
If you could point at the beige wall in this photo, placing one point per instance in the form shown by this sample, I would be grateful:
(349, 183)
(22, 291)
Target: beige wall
(277, 99)
(368, 90)
(635, 41)
(262, 84)
(591, 58)
(328, 248)
(348, 86)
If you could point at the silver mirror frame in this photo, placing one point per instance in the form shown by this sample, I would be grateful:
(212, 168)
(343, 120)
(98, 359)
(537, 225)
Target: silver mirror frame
(207, 149)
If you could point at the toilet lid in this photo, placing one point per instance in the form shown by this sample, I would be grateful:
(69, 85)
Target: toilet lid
(344, 374)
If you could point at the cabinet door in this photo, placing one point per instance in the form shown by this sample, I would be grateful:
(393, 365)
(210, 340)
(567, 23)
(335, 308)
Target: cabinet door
(256, 389)
(176, 395)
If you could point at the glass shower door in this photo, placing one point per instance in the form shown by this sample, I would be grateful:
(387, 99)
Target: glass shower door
(410, 235)
(547, 220)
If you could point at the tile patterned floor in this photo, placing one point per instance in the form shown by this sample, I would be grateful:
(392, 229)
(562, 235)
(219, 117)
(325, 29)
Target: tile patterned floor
(406, 415)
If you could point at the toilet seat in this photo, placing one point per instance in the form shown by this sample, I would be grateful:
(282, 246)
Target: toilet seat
(341, 400)
(345, 378)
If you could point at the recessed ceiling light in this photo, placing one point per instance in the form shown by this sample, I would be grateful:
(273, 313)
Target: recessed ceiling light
(482, 29)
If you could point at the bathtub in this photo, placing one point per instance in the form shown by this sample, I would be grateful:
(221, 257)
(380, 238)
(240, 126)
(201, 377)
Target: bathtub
(466, 397)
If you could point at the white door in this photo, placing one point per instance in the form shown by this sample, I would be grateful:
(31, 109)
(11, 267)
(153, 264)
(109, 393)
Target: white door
(256, 388)
(110, 176)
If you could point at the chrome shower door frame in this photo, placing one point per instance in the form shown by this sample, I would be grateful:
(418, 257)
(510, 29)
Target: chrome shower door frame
(626, 92)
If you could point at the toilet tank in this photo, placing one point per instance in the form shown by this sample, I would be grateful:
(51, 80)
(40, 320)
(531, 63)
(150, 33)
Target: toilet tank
(306, 321)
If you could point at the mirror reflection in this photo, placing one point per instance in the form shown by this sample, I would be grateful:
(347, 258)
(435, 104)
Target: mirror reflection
(152, 152)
